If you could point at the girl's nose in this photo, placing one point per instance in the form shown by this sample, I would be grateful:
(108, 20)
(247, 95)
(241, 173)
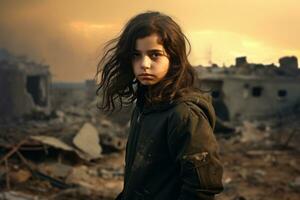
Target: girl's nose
(146, 62)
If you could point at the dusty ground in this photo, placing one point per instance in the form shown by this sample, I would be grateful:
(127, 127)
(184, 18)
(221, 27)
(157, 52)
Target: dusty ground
(257, 173)
(261, 162)
(255, 169)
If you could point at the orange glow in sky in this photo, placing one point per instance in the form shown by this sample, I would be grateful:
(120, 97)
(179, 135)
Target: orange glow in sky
(68, 35)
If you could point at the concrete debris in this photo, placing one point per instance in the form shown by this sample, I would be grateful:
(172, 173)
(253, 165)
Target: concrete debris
(106, 123)
(52, 141)
(251, 133)
(111, 173)
(73, 193)
(112, 143)
(296, 184)
(79, 175)
(260, 172)
(16, 195)
(88, 141)
(20, 176)
(85, 178)
(55, 170)
(227, 180)
(59, 144)
(76, 152)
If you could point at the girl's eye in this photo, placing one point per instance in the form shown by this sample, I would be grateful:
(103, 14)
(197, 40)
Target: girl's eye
(136, 56)
(155, 55)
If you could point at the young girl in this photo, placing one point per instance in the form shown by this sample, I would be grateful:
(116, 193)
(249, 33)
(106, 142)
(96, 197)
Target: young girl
(171, 151)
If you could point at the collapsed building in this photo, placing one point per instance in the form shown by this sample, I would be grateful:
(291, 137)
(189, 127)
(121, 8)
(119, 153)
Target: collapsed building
(24, 86)
(248, 91)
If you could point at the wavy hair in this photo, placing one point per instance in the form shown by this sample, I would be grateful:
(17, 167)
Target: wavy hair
(118, 85)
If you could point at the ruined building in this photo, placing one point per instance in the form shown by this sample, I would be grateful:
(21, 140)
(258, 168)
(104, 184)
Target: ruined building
(24, 86)
(248, 91)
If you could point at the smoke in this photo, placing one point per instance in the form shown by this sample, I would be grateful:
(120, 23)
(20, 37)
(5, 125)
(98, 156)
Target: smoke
(68, 35)
(69, 47)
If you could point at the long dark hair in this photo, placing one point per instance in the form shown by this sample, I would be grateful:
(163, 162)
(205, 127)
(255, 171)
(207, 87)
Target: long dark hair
(118, 85)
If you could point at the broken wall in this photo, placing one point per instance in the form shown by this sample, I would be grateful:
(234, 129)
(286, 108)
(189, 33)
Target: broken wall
(260, 98)
(251, 98)
(23, 90)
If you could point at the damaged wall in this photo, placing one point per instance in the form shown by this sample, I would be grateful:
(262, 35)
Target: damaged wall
(255, 98)
(238, 97)
(24, 87)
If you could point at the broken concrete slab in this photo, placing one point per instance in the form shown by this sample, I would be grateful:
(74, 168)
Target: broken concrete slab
(52, 141)
(59, 144)
(88, 141)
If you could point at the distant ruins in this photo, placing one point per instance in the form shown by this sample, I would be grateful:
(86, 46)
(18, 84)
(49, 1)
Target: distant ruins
(244, 91)
(247, 91)
(24, 86)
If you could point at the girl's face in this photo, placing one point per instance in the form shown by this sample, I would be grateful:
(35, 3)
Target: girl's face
(150, 61)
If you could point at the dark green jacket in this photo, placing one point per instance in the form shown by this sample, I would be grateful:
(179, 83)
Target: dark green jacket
(172, 153)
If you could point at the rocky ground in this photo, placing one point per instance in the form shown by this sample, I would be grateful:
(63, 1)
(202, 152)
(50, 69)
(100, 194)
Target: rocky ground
(260, 169)
(46, 157)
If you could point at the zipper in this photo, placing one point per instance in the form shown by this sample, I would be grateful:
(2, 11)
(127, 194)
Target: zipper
(137, 134)
(139, 117)
(135, 138)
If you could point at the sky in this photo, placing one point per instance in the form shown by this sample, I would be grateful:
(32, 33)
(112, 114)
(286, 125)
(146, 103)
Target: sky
(69, 35)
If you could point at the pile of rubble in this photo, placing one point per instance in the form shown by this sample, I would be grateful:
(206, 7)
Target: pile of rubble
(261, 161)
(58, 159)
(74, 152)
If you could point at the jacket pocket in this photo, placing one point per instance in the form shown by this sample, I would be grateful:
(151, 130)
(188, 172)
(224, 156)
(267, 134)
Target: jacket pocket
(208, 170)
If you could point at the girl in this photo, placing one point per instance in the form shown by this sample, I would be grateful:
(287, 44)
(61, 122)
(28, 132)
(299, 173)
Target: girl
(171, 151)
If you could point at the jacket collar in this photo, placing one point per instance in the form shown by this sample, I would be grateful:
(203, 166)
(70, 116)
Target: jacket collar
(204, 101)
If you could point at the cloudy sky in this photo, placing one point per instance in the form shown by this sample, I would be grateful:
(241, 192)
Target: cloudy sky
(68, 35)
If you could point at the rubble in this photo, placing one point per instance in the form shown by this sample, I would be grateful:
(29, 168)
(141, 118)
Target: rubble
(61, 154)
(29, 90)
(52, 141)
(295, 184)
(76, 152)
(20, 176)
(87, 140)
(256, 166)
(112, 143)
(56, 170)
(249, 91)
(15, 195)
(250, 132)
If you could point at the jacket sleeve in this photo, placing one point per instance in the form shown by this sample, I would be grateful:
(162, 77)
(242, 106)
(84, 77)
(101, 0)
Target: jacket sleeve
(193, 145)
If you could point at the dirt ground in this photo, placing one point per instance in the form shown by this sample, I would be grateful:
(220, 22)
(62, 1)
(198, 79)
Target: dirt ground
(254, 169)
(261, 159)
(259, 173)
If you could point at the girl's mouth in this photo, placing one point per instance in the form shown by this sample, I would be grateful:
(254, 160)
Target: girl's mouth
(146, 76)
